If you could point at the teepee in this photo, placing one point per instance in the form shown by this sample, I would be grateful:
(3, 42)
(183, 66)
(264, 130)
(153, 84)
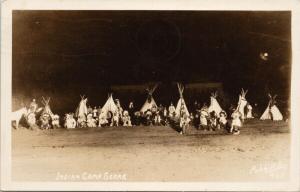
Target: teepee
(82, 108)
(272, 112)
(181, 103)
(149, 103)
(214, 105)
(47, 109)
(242, 103)
(109, 106)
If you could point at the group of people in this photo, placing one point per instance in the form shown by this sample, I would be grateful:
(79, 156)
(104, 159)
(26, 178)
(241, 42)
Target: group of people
(203, 117)
(200, 117)
(40, 117)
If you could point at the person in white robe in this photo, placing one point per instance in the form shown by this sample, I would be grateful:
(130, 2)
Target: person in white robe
(249, 111)
(184, 123)
(236, 123)
(33, 106)
(102, 120)
(126, 119)
(91, 122)
(31, 120)
(70, 122)
(55, 121)
(157, 118)
(81, 121)
(115, 119)
(203, 118)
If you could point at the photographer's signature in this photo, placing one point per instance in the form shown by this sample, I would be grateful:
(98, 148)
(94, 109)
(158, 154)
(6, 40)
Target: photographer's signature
(273, 169)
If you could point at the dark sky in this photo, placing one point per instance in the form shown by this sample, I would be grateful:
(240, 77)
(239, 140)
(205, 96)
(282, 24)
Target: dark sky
(63, 49)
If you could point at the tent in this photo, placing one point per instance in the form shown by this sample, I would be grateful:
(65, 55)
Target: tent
(82, 108)
(181, 103)
(242, 103)
(149, 103)
(47, 109)
(109, 106)
(272, 112)
(214, 105)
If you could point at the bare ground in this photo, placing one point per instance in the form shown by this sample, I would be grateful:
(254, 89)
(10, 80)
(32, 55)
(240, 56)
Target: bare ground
(259, 153)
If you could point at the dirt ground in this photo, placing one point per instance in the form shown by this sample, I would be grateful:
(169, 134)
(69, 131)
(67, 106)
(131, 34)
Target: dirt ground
(156, 153)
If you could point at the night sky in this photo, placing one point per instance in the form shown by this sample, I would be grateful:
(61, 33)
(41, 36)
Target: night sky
(72, 52)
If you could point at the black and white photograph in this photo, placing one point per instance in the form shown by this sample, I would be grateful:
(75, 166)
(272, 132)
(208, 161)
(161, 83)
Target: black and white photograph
(167, 96)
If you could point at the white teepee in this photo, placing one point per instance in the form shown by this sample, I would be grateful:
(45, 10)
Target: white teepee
(272, 112)
(242, 103)
(214, 105)
(109, 106)
(47, 109)
(149, 103)
(82, 108)
(181, 103)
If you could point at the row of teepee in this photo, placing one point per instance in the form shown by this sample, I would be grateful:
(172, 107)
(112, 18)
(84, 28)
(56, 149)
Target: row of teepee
(271, 112)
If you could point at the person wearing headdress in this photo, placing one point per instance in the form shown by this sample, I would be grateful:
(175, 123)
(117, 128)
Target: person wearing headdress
(126, 119)
(154, 109)
(91, 122)
(70, 122)
(81, 121)
(102, 120)
(33, 106)
(45, 121)
(115, 119)
(55, 121)
(236, 122)
(31, 120)
(184, 122)
(203, 118)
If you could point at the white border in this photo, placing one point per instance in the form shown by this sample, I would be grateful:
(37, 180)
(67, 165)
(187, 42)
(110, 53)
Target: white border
(6, 97)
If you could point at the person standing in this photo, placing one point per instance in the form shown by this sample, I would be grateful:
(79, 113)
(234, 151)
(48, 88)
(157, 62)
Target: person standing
(171, 110)
(131, 109)
(249, 111)
(95, 112)
(33, 106)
